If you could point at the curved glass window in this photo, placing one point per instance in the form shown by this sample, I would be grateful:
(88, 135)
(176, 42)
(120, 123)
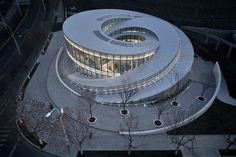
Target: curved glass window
(131, 38)
(127, 30)
(109, 23)
(97, 65)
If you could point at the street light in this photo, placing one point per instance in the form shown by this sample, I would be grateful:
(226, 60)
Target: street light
(61, 112)
(12, 34)
(50, 113)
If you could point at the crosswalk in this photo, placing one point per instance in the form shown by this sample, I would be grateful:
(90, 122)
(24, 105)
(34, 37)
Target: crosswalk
(4, 134)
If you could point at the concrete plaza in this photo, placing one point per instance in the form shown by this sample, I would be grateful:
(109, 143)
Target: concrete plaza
(46, 87)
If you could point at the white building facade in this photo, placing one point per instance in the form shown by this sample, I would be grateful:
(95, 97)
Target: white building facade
(114, 51)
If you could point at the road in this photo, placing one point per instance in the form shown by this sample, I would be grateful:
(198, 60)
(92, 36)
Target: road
(12, 144)
(11, 141)
(8, 52)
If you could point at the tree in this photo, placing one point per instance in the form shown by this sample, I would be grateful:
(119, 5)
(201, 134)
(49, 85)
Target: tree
(77, 130)
(89, 104)
(126, 95)
(31, 116)
(206, 83)
(205, 86)
(33, 112)
(230, 140)
(131, 124)
(175, 82)
(180, 140)
(160, 108)
(227, 128)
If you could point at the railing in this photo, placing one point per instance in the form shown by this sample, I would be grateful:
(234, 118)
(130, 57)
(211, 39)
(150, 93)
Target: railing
(205, 32)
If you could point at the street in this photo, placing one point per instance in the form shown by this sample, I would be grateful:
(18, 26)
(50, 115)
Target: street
(11, 141)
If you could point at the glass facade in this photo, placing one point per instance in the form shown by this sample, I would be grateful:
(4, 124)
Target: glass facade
(131, 38)
(141, 83)
(109, 23)
(98, 65)
(128, 30)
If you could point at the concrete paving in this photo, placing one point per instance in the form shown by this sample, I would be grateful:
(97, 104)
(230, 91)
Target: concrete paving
(45, 86)
(45, 82)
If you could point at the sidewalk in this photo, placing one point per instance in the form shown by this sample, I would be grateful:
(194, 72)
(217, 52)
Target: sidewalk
(45, 86)
(50, 89)
(204, 146)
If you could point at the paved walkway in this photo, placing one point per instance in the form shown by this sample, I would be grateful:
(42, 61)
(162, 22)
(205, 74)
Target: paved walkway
(45, 82)
(204, 145)
(45, 86)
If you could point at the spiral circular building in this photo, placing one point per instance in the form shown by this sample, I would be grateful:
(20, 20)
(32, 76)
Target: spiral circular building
(115, 51)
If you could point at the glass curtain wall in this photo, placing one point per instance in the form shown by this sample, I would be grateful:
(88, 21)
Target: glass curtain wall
(98, 65)
(138, 30)
(109, 23)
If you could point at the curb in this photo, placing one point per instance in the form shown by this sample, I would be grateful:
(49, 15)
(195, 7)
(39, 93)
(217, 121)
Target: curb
(32, 144)
(23, 136)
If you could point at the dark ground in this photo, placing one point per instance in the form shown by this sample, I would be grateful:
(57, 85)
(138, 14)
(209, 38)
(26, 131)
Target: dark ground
(218, 119)
(161, 153)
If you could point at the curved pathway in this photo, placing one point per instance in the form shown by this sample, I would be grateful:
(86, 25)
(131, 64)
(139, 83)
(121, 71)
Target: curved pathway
(49, 88)
(45, 86)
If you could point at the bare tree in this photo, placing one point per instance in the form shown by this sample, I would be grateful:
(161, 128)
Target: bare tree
(126, 95)
(160, 108)
(31, 116)
(176, 87)
(131, 124)
(33, 112)
(78, 131)
(207, 84)
(230, 140)
(177, 138)
(227, 128)
(89, 104)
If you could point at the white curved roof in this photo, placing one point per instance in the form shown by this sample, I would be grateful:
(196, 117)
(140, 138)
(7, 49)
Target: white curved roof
(174, 50)
(80, 29)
